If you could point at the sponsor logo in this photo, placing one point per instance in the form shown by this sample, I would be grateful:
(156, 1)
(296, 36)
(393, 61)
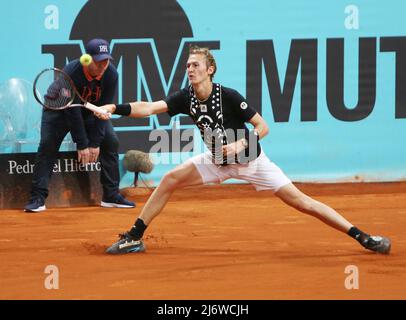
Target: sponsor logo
(129, 244)
(153, 62)
(103, 48)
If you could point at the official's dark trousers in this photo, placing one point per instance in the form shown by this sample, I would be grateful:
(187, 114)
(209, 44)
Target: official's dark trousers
(54, 128)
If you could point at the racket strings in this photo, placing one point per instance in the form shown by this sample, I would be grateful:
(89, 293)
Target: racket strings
(54, 89)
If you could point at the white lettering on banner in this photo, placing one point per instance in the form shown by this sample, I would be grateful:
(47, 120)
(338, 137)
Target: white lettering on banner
(68, 165)
(72, 165)
(97, 166)
(12, 165)
(15, 168)
(57, 166)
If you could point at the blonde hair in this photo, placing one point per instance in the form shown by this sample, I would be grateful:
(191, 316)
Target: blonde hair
(210, 61)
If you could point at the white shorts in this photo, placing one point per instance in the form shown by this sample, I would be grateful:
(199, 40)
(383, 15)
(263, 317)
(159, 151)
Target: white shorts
(262, 173)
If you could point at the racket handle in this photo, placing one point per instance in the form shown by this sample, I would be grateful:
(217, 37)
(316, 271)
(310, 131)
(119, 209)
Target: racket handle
(94, 108)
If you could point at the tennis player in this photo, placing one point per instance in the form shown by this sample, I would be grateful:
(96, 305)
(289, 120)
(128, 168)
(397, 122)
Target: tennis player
(234, 152)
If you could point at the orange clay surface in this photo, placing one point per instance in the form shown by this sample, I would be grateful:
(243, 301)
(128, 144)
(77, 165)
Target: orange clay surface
(215, 242)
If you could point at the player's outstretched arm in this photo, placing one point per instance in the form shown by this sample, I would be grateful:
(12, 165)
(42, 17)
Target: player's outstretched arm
(138, 109)
(260, 125)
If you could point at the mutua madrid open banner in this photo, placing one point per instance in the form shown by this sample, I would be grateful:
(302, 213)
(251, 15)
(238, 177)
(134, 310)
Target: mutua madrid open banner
(327, 76)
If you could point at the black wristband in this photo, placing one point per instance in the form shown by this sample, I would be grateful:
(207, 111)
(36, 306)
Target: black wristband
(123, 109)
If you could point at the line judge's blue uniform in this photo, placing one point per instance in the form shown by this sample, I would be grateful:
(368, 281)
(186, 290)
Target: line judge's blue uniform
(86, 131)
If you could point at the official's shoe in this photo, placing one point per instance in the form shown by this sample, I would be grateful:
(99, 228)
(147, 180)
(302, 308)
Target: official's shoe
(126, 244)
(117, 202)
(378, 244)
(35, 205)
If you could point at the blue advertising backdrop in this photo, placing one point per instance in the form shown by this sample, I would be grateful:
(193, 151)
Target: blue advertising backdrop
(327, 76)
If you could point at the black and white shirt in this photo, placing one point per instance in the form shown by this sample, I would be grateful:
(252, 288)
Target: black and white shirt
(220, 118)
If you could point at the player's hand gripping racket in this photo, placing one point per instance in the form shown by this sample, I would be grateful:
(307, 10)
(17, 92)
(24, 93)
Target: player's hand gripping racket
(54, 89)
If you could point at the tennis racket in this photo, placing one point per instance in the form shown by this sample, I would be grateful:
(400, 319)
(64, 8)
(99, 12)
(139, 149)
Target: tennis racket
(54, 89)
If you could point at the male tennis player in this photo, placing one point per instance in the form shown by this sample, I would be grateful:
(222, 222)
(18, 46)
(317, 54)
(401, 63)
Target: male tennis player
(220, 113)
(94, 138)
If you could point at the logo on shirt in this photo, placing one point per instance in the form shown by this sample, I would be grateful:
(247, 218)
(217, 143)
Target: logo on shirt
(243, 105)
(91, 94)
(203, 108)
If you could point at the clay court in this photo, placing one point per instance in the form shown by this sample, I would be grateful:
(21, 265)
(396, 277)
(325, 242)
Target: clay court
(243, 245)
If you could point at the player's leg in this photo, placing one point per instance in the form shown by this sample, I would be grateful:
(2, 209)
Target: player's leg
(292, 196)
(182, 176)
(266, 175)
(53, 131)
(302, 202)
(110, 173)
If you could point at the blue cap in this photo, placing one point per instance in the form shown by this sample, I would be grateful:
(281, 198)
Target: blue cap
(99, 49)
